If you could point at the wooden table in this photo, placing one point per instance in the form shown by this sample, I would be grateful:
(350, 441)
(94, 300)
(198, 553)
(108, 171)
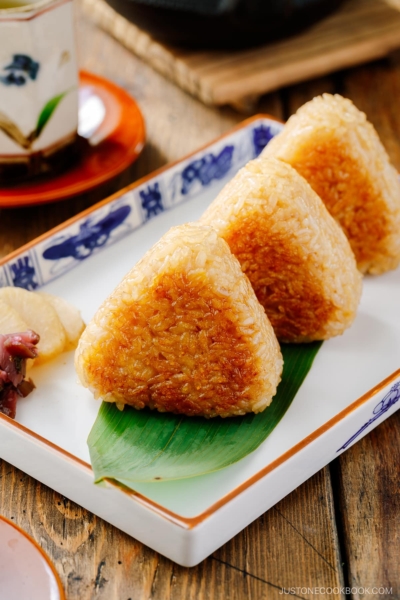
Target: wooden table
(339, 529)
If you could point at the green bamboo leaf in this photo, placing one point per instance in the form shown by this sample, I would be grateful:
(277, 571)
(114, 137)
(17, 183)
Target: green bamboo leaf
(46, 113)
(136, 446)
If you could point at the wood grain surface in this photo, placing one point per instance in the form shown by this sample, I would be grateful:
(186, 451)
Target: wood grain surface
(359, 30)
(340, 528)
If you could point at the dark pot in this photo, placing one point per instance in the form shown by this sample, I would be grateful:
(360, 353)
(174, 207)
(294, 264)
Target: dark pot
(222, 23)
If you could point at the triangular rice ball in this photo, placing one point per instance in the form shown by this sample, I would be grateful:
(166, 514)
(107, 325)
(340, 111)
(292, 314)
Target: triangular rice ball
(332, 145)
(297, 258)
(183, 332)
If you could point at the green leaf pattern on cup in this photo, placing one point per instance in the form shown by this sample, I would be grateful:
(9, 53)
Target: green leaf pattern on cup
(12, 130)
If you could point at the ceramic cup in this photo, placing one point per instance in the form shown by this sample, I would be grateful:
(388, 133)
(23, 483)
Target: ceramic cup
(38, 87)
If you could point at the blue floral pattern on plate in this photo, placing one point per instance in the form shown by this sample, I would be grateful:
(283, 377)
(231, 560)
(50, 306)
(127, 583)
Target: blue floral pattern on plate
(134, 207)
(152, 202)
(92, 235)
(261, 136)
(381, 408)
(23, 274)
(207, 168)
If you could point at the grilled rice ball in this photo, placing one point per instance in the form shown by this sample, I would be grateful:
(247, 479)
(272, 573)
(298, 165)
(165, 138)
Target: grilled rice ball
(297, 258)
(332, 145)
(183, 332)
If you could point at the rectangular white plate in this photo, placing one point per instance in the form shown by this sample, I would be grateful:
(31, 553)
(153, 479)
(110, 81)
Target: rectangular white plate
(353, 386)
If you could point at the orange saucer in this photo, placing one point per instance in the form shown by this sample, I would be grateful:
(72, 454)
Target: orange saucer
(114, 142)
(25, 570)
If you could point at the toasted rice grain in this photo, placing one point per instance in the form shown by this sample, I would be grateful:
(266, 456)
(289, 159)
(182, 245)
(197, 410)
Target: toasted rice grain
(183, 332)
(332, 145)
(297, 258)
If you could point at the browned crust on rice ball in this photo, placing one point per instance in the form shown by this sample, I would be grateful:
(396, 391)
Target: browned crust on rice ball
(183, 333)
(332, 145)
(297, 258)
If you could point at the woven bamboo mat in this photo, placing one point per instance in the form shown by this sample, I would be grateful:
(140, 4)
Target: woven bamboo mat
(361, 30)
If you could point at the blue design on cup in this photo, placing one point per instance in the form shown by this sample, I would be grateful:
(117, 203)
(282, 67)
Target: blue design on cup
(261, 136)
(22, 68)
(152, 201)
(91, 236)
(207, 168)
(23, 274)
(383, 406)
